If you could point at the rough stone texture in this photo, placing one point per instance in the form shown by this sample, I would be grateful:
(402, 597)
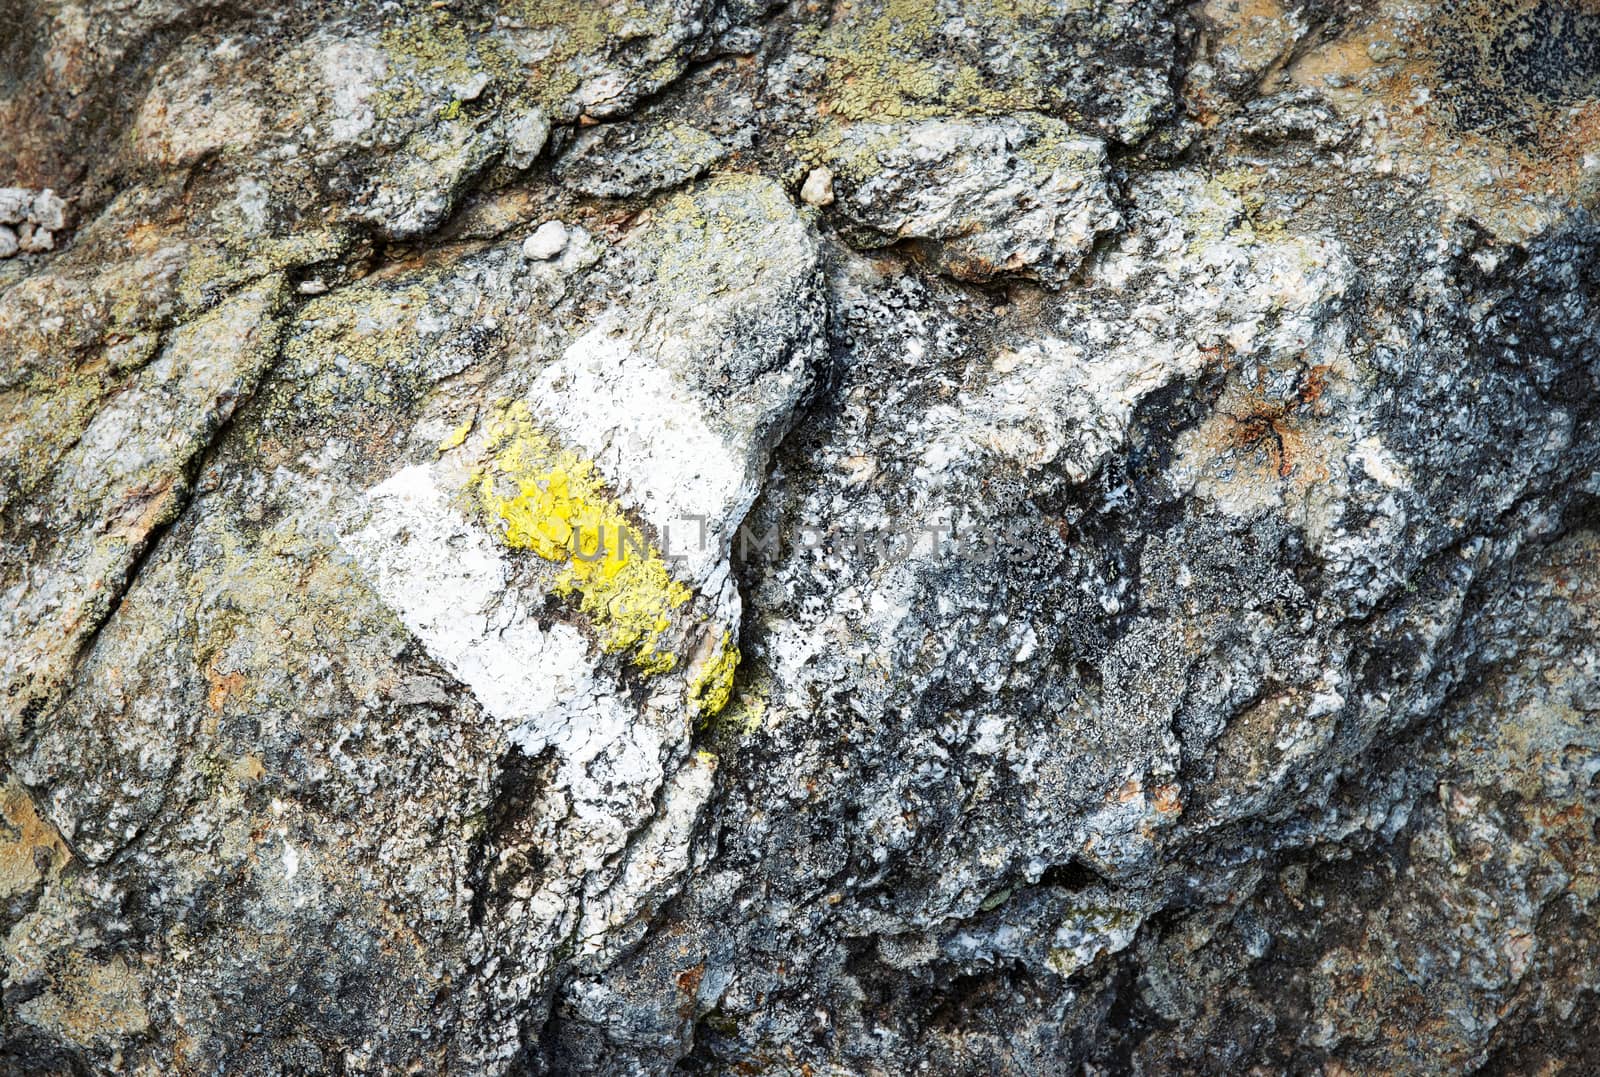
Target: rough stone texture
(1011, 196)
(27, 219)
(1110, 496)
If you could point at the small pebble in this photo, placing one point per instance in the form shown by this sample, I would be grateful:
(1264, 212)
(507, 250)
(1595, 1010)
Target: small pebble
(32, 217)
(49, 211)
(818, 188)
(35, 240)
(473, 87)
(528, 135)
(15, 204)
(547, 241)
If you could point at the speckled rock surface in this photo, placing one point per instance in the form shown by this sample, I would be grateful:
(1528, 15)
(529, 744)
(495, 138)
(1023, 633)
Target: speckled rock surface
(722, 536)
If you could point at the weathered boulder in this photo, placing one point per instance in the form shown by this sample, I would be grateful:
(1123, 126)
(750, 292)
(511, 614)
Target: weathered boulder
(900, 536)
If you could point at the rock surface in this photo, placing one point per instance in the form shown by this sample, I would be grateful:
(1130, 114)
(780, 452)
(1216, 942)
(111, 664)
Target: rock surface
(721, 536)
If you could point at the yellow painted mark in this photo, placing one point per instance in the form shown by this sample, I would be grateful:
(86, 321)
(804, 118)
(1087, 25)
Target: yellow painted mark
(457, 436)
(552, 501)
(713, 685)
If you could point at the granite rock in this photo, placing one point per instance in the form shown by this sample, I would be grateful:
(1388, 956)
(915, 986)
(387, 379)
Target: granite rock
(722, 536)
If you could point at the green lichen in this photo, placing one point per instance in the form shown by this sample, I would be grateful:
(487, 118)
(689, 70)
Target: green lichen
(686, 148)
(995, 900)
(580, 29)
(730, 227)
(1096, 926)
(889, 60)
(355, 347)
(1232, 207)
(52, 409)
(213, 272)
(269, 591)
(584, 31)
(873, 69)
(855, 159)
(1053, 146)
(558, 45)
(432, 52)
(553, 502)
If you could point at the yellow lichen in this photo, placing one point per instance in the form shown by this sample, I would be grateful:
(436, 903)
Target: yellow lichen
(713, 685)
(457, 436)
(745, 711)
(552, 501)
